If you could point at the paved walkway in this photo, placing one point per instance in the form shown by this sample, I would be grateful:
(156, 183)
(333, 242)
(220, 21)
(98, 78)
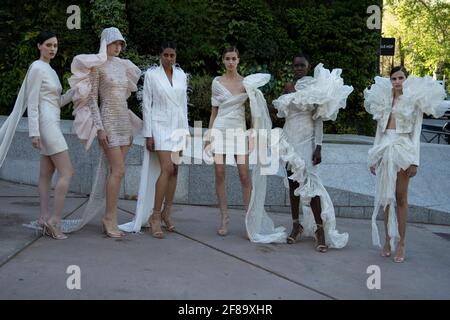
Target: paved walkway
(195, 263)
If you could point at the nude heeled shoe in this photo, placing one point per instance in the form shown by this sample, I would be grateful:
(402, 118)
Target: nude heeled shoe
(399, 258)
(110, 233)
(223, 229)
(165, 216)
(53, 231)
(320, 239)
(155, 224)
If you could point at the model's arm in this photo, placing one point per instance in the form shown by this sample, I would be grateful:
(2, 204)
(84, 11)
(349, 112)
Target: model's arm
(147, 112)
(318, 137)
(66, 97)
(93, 103)
(34, 83)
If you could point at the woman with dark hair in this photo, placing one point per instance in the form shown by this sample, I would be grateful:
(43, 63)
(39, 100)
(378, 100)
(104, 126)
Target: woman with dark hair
(306, 103)
(41, 94)
(166, 130)
(398, 104)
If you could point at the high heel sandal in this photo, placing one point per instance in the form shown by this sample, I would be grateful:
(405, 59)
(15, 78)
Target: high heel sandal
(386, 253)
(155, 224)
(297, 230)
(223, 230)
(320, 239)
(111, 234)
(53, 231)
(397, 258)
(165, 216)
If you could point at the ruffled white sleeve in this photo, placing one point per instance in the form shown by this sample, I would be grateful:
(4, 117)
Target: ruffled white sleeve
(427, 94)
(378, 98)
(133, 75)
(147, 105)
(282, 104)
(330, 91)
(34, 83)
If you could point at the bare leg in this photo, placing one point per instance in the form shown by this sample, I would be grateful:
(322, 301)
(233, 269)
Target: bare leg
(401, 195)
(170, 193)
(387, 245)
(244, 175)
(172, 185)
(297, 228)
(316, 209)
(65, 172)
(116, 159)
(220, 172)
(45, 179)
(164, 184)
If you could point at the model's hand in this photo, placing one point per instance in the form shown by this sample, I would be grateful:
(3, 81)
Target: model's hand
(317, 155)
(372, 170)
(36, 142)
(150, 144)
(411, 171)
(103, 138)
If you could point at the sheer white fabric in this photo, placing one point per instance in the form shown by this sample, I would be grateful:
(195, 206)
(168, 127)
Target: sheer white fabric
(396, 149)
(260, 227)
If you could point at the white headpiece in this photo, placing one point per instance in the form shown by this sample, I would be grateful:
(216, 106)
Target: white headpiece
(109, 35)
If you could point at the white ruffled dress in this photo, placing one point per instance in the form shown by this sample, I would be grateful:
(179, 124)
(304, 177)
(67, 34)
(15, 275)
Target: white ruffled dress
(399, 148)
(316, 99)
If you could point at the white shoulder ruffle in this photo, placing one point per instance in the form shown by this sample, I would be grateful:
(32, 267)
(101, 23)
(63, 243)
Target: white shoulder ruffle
(427, 94)
(378, 98)
(133, 75)
(325, 92)
(256, 80)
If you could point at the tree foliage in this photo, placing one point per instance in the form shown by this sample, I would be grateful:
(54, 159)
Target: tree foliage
(422, 27)
(267, 33)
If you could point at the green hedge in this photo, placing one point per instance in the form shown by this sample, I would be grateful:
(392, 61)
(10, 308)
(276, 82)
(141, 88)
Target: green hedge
(267, 34)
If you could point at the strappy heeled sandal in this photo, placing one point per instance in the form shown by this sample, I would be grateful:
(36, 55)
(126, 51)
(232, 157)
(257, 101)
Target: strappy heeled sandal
(320, 239)
(297, 230)
(386, 252)
(53, 231)
(111, 233)
(399, 258)
(165, 216)
(155, 224)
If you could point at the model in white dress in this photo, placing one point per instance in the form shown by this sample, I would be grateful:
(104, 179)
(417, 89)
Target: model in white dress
(314, 100)
(398, 105)
(166, 131)
(41, 94)
(44, 103)
(227, 137)
(228, 134)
